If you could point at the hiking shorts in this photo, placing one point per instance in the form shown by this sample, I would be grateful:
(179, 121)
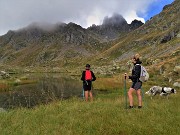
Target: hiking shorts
(87, 85)
(136, 85)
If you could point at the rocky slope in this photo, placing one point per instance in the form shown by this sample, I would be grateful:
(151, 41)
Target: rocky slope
(158, 41)
(107, 47)
(114, 40)
(114, 27)
(60, 44)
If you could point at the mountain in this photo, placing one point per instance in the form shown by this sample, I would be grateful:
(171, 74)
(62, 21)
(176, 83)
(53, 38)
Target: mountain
(157, 41)
(114, 27)
(108, 47)
(158, 37)
(43, 44)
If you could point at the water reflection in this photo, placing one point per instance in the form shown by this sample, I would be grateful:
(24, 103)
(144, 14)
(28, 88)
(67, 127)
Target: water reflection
(49, 87)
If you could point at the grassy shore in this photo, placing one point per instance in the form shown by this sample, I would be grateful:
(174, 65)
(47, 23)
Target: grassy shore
(106, 115)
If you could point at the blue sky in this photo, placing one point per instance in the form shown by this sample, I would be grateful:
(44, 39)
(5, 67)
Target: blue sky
(15, 14)
(155, 8)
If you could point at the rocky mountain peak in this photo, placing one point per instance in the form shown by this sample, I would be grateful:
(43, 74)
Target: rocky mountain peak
(114, 20)
(135, 24)
(74, 25)
(114, 26)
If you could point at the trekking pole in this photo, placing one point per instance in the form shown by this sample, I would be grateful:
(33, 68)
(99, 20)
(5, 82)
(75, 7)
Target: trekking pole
(125, 91)
(83, 93)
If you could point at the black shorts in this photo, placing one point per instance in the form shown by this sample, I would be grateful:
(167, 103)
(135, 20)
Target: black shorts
(87, 85)
(136, 85)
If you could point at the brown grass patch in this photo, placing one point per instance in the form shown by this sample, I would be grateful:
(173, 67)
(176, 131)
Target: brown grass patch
(3, 86)
(109, 83)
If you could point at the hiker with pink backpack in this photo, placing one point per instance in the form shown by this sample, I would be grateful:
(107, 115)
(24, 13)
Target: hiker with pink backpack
(87, 78)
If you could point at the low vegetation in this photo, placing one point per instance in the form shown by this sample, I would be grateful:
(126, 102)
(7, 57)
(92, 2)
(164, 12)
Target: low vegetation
(105, 115)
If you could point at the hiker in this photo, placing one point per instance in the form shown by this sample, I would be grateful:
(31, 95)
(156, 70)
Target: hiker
(87, 78)
(136, 83)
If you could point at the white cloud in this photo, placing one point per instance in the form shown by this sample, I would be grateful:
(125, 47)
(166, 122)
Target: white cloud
(131, 15)
(15, 14)
(96, 17)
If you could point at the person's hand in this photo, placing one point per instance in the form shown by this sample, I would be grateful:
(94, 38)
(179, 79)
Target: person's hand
(125, 75)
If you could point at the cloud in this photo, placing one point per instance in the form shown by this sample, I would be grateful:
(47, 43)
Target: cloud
(15, 14)
(131, 15)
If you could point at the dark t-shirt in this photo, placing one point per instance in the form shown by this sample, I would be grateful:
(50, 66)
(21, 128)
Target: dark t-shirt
(136, 71)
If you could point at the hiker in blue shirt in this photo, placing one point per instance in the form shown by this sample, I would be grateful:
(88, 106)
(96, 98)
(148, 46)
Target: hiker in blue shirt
(87, 78)
(136, 83)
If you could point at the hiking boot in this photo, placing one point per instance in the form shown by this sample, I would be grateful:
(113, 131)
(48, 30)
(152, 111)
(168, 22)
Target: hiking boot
(130, 107)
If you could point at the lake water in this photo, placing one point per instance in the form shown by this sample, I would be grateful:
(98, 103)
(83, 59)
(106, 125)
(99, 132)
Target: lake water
(49, 87)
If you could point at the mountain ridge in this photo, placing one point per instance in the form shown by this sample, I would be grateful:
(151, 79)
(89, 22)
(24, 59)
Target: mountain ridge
(72, 46)
(55, 42)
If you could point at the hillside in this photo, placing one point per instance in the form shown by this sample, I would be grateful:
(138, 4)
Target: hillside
(161, 31)
(33, 45)
(60, 44)
(158, 42)
(107, 47)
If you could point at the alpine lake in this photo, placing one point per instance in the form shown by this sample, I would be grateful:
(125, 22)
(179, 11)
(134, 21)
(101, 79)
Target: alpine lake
(30, 90)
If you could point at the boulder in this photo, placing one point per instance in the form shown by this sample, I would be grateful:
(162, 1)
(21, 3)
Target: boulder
(4, 75)
(17, 81)
(177, 69)
(2, 110)
(176, 84)
(168, 37)
(178, 35)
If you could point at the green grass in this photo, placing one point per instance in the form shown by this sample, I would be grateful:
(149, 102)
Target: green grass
(106, 115)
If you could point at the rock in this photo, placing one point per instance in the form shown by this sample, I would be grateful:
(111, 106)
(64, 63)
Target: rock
(4, 75)
(170, 79)
(17, 81)
(166, 6)
(177, 69)
(161, 70)
(2, 110)
(135, 24)
(178, 35)
(176, 84)
(166, 39)
(156, 61)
